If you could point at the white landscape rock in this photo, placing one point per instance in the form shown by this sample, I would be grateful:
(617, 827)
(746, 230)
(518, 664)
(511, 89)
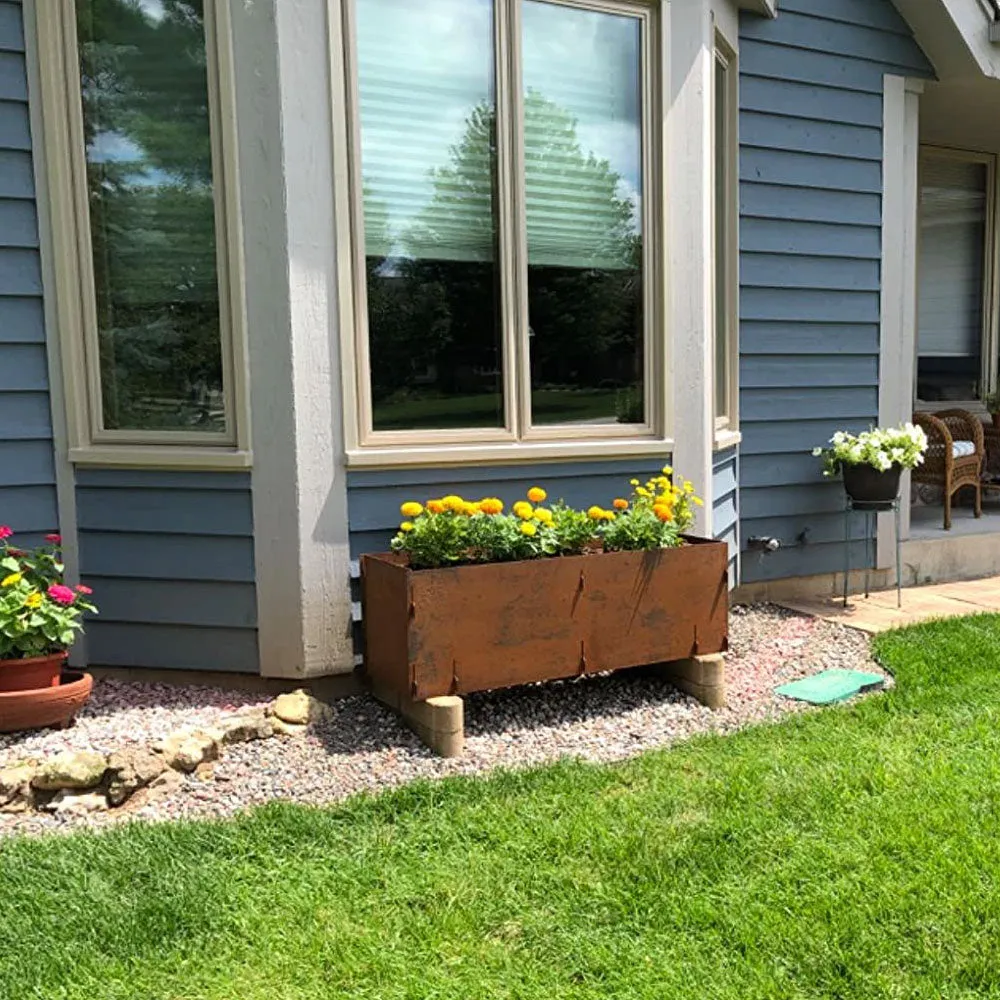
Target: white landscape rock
(299, 708)
(187, 748)
(76, 802)
(15, 780)
(282, 728)
(71, 769)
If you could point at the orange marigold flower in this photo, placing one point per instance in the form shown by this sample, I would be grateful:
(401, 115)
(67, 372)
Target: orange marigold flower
(663, 512)
(411, 509)
(524, 510)
(435, 506)
(536, 494)
(620, 503)
(491, 505)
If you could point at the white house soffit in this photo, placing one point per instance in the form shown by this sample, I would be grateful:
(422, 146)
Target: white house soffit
(956, 35)
(769, 8)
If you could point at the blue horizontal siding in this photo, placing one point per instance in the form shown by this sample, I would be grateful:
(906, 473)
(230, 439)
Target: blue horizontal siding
(27, 470)
(170, 557)
(810, 256)
(725, 505)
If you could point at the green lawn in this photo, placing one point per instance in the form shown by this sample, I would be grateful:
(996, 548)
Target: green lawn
(851, 853)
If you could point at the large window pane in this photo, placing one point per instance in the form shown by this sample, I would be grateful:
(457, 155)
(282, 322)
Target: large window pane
(583, 176)
(428, 157)
(149, 176)
(950, 283)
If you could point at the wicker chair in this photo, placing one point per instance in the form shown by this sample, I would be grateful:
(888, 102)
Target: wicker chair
(941, 467)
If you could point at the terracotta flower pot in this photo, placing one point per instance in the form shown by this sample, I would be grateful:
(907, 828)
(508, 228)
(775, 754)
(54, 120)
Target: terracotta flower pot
(36, 672)
(46, 706)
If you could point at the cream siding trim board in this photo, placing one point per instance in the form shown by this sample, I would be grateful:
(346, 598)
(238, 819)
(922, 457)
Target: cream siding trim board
(691, 301)
(289, 173)
(65, 485)
(897, 336)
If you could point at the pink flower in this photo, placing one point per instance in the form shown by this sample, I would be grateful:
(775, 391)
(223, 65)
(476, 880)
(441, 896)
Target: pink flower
(61, 594)
(82, 589)
(5, 532)
(54, 539)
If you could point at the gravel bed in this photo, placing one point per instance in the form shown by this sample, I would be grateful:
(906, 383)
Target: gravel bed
(364, 747)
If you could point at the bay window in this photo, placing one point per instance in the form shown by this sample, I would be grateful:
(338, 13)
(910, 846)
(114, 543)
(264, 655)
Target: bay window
(503, 214)
(137, 131)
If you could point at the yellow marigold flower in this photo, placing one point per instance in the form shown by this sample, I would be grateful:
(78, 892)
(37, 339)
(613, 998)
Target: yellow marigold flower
(454, 503)
(609, 515)
(411, 509)
(9, 581)
(406, 526)
(33, 600)
(663, 512)
(543, 514)
(491, 505)
(527, 528)
(523, 510)
(537, 495)
(668, 470)
(435, 506)
(643, 492)
(620, 503)
(689, 488)
(633, 482)
(470, 509)
(595, 514)
(698, 501)
(664, 498)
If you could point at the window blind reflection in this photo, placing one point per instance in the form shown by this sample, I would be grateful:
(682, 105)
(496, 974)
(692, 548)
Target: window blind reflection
(428, 159)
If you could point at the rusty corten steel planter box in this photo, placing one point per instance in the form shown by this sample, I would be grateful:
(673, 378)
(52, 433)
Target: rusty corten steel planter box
(470, 628)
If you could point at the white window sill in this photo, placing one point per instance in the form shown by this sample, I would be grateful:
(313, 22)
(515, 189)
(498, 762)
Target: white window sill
(509, 454)
(726, 439)
(162, 457)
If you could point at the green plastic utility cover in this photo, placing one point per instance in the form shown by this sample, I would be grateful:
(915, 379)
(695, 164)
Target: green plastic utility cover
(831, 685)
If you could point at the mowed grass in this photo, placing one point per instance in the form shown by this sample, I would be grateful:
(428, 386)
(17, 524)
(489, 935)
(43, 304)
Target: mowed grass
(851, 853)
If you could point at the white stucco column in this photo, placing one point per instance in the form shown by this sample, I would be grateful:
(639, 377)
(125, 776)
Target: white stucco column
(690, 263)
(286, 184)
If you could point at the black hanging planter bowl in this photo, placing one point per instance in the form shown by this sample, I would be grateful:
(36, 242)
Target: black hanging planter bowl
(865, 484)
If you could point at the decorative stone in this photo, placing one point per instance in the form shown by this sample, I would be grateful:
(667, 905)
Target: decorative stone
(299, 708)
(205, 772)
(186, 749)
(15, 779)
(245, 726)
(71, 769)
(76, 802)
(282, 728)
(159, 788)
(130, 770)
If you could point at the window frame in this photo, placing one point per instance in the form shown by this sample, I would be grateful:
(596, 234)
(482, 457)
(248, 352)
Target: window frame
(726, 57)
(517, 439)
(990, 333)
(71, 264)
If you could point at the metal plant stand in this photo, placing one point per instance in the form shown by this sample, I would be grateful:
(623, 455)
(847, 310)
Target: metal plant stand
(870, 508)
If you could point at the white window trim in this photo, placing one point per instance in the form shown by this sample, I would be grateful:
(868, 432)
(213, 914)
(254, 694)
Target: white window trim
(70, 278)
(727, 426)
(518, 440)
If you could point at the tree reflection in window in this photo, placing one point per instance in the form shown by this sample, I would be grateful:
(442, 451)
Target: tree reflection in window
(144, 83)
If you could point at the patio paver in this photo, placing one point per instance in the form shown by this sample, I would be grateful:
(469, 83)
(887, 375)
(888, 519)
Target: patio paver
(878, 613)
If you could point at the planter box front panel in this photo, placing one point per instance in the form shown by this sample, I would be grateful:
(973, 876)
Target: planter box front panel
(473, 628)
